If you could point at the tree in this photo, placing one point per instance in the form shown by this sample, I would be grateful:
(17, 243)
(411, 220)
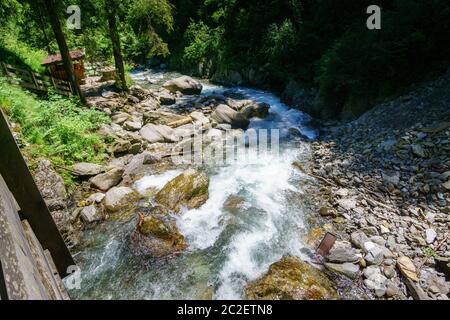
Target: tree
(110, 7)
(63, 49)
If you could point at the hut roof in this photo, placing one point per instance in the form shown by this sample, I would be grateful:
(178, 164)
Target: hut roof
(56, 58)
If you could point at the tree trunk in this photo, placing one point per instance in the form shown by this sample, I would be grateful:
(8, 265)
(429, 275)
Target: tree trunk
(62, 45)
(110, 7)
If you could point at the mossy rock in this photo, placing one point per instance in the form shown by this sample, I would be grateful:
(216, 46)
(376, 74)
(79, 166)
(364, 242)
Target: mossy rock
(292, 279)
(158, 236)
(190, 190)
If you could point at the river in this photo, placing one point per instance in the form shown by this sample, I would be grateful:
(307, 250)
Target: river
(227, 248)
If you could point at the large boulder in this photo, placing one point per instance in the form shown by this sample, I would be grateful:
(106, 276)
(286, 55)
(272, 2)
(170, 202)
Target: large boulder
(157, 236)
(258, 110)
(158, 133)
(292, 279)
(185, 85)
(87, 169)
(120, 198)
(190, 190)
(224, 114)
(106, 181)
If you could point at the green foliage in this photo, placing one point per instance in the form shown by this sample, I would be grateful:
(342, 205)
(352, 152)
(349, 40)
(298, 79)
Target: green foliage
(19, 53)
(203, 42)
(56, 128)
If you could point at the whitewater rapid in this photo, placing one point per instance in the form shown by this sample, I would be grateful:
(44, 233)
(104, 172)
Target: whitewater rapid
(226, 249)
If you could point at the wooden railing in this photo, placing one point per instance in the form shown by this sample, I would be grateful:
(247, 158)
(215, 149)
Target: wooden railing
(36, 81)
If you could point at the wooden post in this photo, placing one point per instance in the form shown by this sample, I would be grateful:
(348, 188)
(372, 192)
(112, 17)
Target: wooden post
(20, 182)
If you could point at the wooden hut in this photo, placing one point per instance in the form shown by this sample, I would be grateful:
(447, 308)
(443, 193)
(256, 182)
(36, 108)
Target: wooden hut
(55, 66)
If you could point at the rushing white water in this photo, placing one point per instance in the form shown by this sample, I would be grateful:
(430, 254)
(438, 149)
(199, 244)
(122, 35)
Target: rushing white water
(228, 247)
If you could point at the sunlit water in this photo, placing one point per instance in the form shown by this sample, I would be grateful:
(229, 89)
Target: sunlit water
(227, 247)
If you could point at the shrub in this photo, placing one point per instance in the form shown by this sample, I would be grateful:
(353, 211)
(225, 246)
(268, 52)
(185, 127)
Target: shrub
(56, 127)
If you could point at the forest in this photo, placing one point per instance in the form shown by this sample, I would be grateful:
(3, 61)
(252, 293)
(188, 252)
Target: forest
(231, 149)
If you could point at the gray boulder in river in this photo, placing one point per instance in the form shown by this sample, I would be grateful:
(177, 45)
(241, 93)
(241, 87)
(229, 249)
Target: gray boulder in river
(185, 85)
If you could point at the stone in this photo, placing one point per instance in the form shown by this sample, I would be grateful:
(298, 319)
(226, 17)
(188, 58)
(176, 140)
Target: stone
(120, 117)
(359, 238)
(392, 178)
(119, 198)
(446, 185)
(431, 236)
(185, 85)
(418, 150)
(389, 272)
(291, 279)
(139, 92)
(161, 118)
(158, 133)
(256, 110)
(347, 269)
(235, 204)
(190, 190)
(327, 212)
(96, 197)
(199, 118)
(224, 114)
(166, 98)
(106, 181)
(347, 203)
(132, 125)
(407, 268)
(87, 169)
(375, 281)
(374, 253)
(91, 214)
(341, 254)
(157, 236)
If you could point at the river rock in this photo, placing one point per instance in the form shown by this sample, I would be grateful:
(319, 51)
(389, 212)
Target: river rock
(119, 198)
(258, 110)
(359, 238)
(139, 92)
(190, 190)
(341, 253)
(375, 280)
(431, 235)
(120, 117)
(185, 85)
(91, 214)
(224, 114)
(96, 198)
(158, 236)
(291, 279)
(158, 133)
(166, 98)
(375, 253)
(106, 181)
(87, 169)
(347, 203)
(347, 269)
(407, 268)
(132, 125)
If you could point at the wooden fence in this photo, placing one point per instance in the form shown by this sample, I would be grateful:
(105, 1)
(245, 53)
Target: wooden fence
(36, 81)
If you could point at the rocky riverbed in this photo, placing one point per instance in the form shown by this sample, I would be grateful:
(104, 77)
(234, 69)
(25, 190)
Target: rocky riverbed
(143, 226)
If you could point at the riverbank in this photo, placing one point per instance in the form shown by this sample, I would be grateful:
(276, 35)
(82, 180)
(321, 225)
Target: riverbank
(372, 182)
(385, 178)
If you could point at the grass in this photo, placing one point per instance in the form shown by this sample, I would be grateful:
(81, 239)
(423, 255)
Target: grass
(54, 127)
(20, 54)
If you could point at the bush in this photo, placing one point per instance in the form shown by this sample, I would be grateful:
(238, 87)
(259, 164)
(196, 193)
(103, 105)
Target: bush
(57, 128)
(18, 53)
(203, 43)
